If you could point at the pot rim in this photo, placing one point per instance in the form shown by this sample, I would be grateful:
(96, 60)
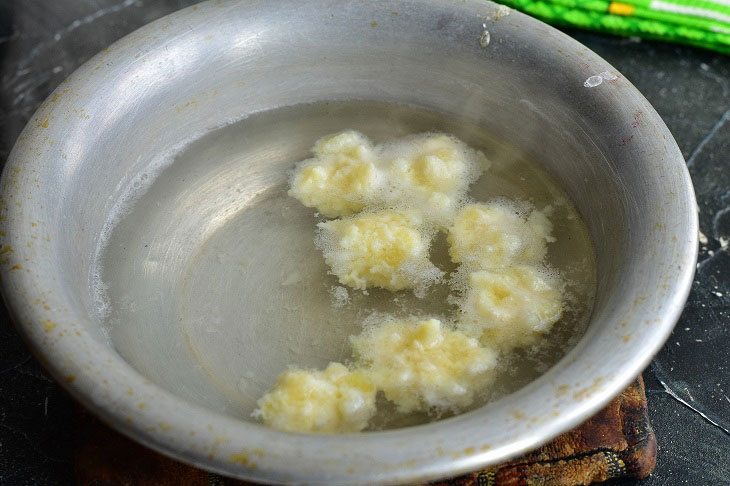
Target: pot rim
(106, 384)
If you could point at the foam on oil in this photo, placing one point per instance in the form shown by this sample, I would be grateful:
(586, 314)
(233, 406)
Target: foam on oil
(211, 284)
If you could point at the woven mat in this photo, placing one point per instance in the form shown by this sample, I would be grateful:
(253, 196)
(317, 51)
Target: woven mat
(700, 23)
(617, 442)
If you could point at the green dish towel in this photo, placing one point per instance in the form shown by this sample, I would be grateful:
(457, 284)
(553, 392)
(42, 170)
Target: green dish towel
(702, 23)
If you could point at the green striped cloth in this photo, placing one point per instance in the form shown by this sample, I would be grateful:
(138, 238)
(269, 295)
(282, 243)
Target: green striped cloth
(702, 23)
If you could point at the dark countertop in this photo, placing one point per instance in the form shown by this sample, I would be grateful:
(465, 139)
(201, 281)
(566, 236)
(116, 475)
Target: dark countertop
(688, 384)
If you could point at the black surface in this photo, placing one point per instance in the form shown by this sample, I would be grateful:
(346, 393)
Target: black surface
(43, 41)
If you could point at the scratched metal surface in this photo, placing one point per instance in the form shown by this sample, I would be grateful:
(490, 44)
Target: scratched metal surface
(43, 41)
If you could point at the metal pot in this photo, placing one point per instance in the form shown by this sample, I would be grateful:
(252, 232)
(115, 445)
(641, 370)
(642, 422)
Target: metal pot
(517, 78)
